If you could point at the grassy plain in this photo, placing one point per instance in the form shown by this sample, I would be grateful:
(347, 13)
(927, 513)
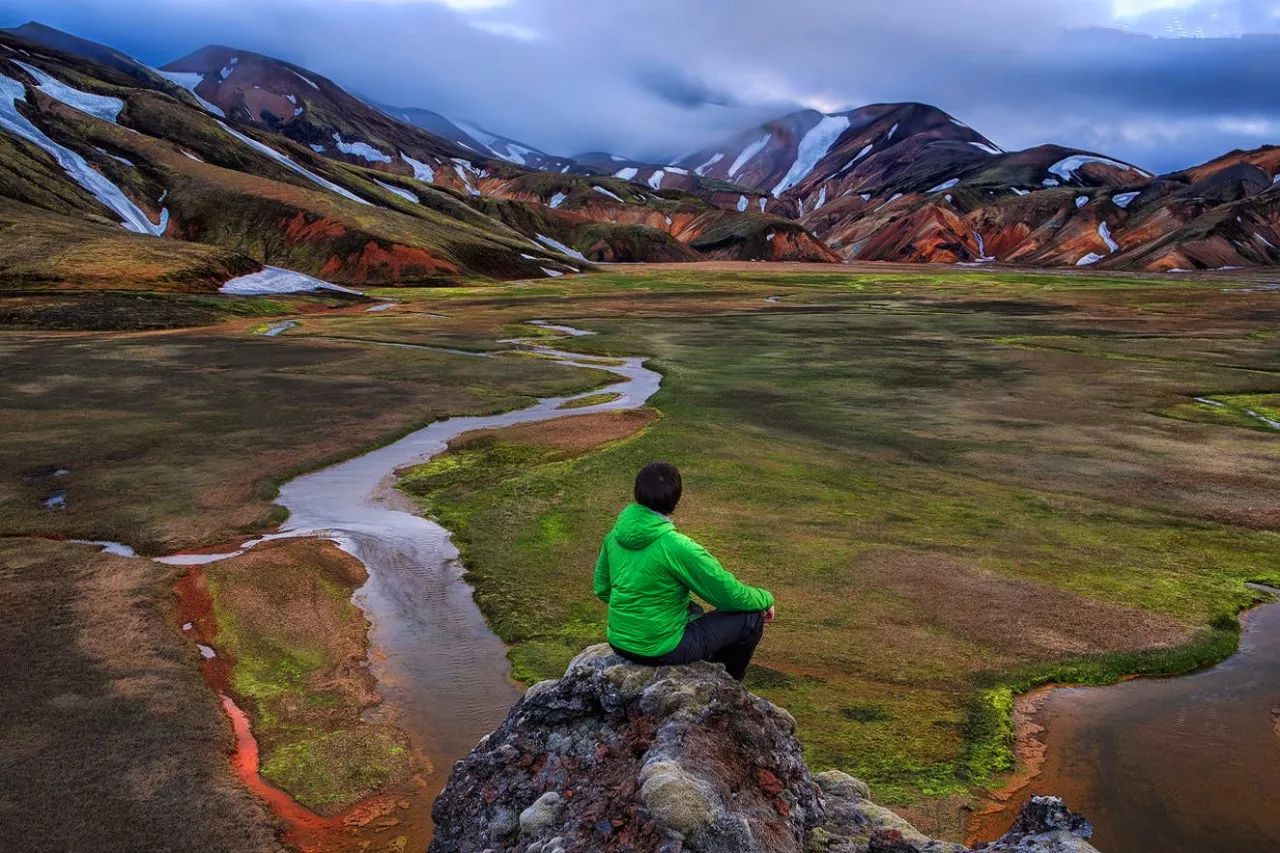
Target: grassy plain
(175, 440)
(958, 485)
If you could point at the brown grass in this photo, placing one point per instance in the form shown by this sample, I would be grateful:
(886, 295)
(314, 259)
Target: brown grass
(574, 434)
(111, 739)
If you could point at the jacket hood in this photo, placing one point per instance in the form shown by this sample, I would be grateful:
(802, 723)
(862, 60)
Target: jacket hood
(637, 526)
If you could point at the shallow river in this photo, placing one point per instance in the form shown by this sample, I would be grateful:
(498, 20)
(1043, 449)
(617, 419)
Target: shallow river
(440, 669)
(1190, 763)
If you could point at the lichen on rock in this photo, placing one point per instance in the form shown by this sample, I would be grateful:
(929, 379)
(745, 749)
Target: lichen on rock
(616, 756)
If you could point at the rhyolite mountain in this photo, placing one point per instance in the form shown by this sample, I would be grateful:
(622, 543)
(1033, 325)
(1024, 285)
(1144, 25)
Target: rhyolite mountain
(273, 163)
(268, 163)
(908, 182)
(481, 141)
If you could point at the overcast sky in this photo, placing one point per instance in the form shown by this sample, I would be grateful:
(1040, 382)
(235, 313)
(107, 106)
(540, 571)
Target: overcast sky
(1163, 83)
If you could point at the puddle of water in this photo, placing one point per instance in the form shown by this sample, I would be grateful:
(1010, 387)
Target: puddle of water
(1184, 763)
(279, 328)
(118, 549)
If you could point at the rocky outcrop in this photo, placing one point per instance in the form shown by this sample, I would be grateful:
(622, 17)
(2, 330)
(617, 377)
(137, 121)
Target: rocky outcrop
(615, 756)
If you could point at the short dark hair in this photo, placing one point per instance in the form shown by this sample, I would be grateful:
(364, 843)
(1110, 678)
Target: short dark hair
(658, 487)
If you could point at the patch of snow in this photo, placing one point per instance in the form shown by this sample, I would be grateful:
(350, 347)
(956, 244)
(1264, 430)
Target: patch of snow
(297, 111)
(377, 309)
(1091, 258)
(983, 257)
(557, 199)
(604, 191)
(306, 80)
(958, 123)
(466, 181)
(1104, 231)
(947, 198)
(865, 196)
(1049, 182)
(229, 68)
(1020, 191)
(863, 153)
(1081, 200)
(188, 626)
(655, 180)
(560, 247)
(191, 156)
(1217, 404)
(400, 191)
(276, 280)
(891, 132)
(319, 149)
(58, 500)
(813, 147)
(291, 99)
(77, 168)
(743, 201)
(763, 201)
(1264, 241)
(891, 200)
(769, 237)
(551, 273)
(98, 106)
(715, 158)
(189, 80)
(116, 549)
(1066, 167)
(615, 158)
(747, 154)
(206, 652)
(627, 173)
(360, 149)
(292, 166)
(982, 146)
(822, 197)
(1123, 200)
(945, 185)
(104, 152)
(677, 170)
(668, 219)
(421, 170)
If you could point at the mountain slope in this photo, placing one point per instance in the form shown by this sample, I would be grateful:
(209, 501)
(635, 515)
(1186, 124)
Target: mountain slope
(92, 143)
(481, 141)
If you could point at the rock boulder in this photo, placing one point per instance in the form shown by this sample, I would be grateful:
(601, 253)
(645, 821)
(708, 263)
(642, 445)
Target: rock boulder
(615, 756)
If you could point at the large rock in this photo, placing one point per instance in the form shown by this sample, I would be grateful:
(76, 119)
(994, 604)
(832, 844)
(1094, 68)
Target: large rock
(615, 756)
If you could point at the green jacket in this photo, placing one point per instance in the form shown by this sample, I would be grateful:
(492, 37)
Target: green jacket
(645, 573)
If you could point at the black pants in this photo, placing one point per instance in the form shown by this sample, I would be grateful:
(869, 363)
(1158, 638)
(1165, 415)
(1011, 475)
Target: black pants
(727, 638)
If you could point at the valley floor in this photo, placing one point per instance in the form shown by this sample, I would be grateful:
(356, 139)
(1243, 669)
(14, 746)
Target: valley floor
(959, 484)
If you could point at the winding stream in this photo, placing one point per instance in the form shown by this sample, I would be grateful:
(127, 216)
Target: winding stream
(1186, 763)
(439, 667)
(442, 673)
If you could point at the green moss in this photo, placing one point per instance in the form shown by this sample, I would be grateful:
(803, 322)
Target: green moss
(334, 770)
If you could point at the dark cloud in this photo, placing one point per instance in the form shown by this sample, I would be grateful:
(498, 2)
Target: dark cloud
(644, 77)
(681, 89)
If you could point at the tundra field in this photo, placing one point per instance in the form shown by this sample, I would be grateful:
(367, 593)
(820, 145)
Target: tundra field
(958, 483)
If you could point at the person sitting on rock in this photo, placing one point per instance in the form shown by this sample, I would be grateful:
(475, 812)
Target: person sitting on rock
(645, 573)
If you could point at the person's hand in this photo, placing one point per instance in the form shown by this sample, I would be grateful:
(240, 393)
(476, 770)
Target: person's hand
(769, 615)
